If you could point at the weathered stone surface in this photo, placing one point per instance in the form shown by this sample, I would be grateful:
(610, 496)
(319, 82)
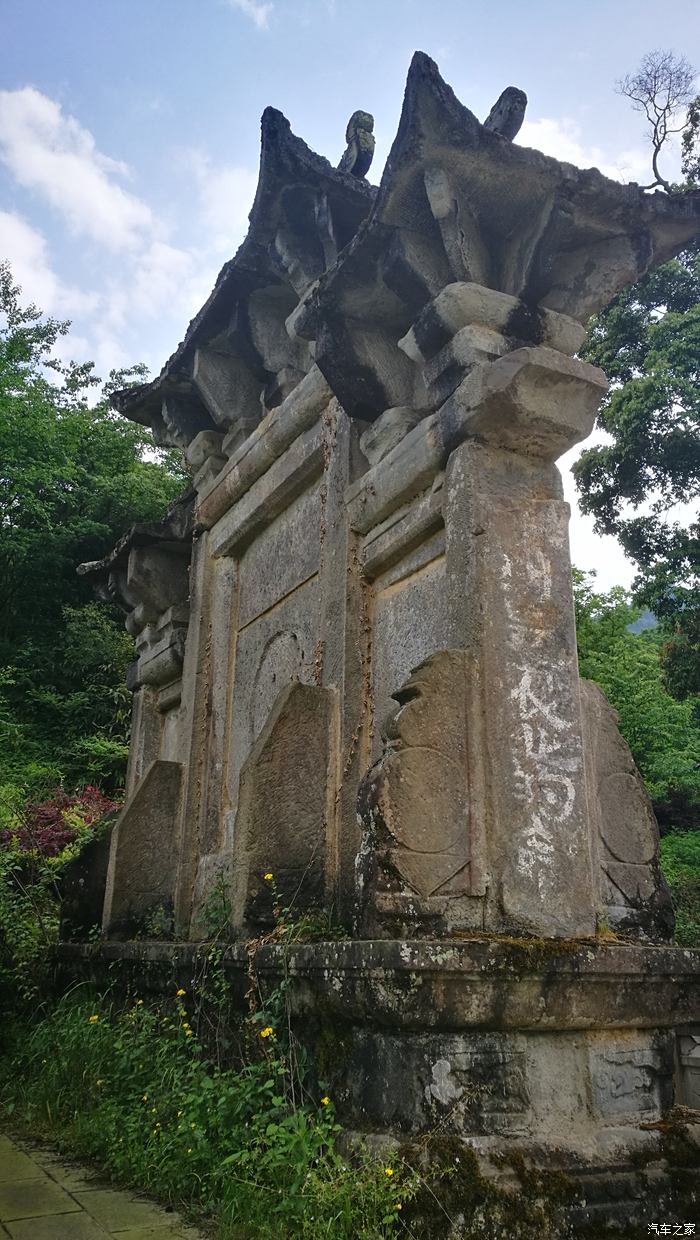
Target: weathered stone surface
(508, 113)
(533, 401)
(229, 390)
(470, 347)
(465, 304)
(277, 648)
(204, 446)
(633, 892)
(420, 814)
(510, 586)
(476, 982)
(286, 793)
(389, 429)
(357, 157)
(414, 586)
(689, 1067)
(143, 858)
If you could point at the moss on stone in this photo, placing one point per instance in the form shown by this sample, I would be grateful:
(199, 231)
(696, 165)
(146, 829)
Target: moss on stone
(456, 1198)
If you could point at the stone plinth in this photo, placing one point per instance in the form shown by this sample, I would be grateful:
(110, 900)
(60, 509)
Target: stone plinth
(565, 1052)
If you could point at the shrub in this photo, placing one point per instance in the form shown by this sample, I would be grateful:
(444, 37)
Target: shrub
(36, 844)
(680, 860)
(131, 1087)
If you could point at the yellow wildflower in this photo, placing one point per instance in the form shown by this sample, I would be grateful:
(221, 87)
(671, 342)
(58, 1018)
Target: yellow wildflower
(325, 1101)
(179, 993)
(180, 1113)
(92, 1020)
(99, 1081)
(399, 1206)
(188, 1033)
(388, 1170)
(145, 1098)
(139, 1002)
(189, 1150)
(269, 876)
(267, 1031)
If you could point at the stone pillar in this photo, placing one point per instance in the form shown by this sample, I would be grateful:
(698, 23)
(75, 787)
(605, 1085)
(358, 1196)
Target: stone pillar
(510, 599)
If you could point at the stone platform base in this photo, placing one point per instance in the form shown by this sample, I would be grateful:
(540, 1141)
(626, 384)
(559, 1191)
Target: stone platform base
(571, 1054)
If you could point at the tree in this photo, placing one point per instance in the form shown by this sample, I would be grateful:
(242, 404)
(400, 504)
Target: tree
(73, 477)
(661, 88)
(663, 734)
(648, 342)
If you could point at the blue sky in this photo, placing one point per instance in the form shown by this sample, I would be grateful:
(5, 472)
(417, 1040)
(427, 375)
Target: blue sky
(129, 131)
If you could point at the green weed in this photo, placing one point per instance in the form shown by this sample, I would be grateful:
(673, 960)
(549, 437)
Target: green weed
(132, 1089)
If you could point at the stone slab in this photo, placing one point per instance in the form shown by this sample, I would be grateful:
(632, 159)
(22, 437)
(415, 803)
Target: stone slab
(284, 554)
(15, 1165)
(142, 861)
(409, 623)
(33, 1199)
(71, 1177)
(285, 801)
(78, 1226)
(276, 648)
(475, 981)
(117, 1211)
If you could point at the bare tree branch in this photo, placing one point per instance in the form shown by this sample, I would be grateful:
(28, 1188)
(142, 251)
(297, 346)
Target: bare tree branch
(661, 87)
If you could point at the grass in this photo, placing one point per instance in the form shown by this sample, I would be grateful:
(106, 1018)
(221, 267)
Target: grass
(131, 1089)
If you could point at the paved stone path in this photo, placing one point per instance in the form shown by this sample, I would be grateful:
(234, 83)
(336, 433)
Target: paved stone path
(42, 1198)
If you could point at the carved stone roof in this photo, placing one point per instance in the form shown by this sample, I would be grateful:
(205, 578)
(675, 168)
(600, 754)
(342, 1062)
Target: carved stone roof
(304, 213)
(334, 271)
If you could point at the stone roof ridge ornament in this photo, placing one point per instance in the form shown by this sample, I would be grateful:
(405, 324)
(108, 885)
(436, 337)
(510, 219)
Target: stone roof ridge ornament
(508, 113)
(237, 358)
(359, 153)
(336, 271)
(460, 204)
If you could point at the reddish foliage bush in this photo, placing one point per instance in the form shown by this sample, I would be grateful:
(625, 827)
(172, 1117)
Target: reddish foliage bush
(45, 829)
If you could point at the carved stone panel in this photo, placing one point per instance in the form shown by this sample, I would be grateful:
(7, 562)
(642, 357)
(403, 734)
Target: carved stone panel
(625, 835)
(286, 791)
(271, 652)
(143, 857)
(286, 553)
(420, 809)
(409, 623)
(630, 1076)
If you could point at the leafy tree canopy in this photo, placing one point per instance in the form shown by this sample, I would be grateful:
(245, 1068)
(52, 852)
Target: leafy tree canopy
(663, 734)
(73, 477)
(648, 343)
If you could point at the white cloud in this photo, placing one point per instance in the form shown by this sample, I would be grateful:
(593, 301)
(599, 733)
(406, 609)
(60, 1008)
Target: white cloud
(226, 195)
(52, 154)
(258, 12)
(563, 140)
(25, 248)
